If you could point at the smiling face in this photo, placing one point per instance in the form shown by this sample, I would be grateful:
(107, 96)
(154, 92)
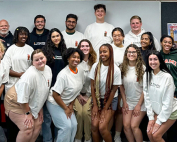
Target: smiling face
(71, 23)
(39, 61)
(131, 54)
(154, 62)
(56, 38)
(100, 14)
(117, 38)
(39, 24)
(145, 41)
(135, 25)
(104, 54)
(4, 27)
(167, 44)
(22, 37)
(74, 60)
(85, 47)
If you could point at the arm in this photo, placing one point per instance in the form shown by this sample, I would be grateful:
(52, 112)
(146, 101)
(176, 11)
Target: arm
(125, 105)
(137, 109)
(1, 89)
(95, 106)
(15, 74)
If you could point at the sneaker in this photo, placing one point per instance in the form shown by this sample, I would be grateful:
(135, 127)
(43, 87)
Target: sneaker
(117, 139)
(76, 140)
(90, 140)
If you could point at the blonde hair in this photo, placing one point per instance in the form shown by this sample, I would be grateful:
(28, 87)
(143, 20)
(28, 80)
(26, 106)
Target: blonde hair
(136, 17)
(2, 47)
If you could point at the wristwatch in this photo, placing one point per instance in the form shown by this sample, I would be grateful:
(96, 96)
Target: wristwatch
(27, 113)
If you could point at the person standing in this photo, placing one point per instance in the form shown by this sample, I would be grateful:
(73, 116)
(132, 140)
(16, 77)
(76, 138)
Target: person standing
(39, 34)
(70, 35)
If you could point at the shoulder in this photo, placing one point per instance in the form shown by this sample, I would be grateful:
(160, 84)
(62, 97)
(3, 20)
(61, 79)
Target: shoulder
(63, 32)
(79, 33)
(91, 25)
(29, 47)
(108, 25)
(47, 68)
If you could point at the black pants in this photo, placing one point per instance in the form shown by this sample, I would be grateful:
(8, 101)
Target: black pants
(172, 133)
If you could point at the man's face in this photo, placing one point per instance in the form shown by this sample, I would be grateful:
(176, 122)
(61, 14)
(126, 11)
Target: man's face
(39, 24)
(71, 23)
(135, 25)
(100, 14)
(4, 27)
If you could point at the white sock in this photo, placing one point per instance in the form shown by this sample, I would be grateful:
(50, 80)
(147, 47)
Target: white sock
(117, 133)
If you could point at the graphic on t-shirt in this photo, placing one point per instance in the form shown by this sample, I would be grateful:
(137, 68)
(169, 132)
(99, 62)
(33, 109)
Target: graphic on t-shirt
(28, 57)
(155, 85)
(76, 43)
(105, 33)
(57, 57)
(39, 43)
(170, 61)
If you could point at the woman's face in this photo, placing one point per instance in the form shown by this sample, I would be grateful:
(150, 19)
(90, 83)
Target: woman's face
(85, 47)
(145, 41)
(56, 38)
(154, 62)
(131, 54)
(22, 37)
(167, 44)
(104, 53)
(74, 60)
(117, 38)
(39, 61)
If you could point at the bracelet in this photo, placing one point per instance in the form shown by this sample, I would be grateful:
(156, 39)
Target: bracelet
(27, 113)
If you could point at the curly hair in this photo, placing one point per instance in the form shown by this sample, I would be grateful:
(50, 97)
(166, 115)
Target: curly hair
(49, 47)
(92, 54)
(139, 63)
(67, 53)
(20, 30)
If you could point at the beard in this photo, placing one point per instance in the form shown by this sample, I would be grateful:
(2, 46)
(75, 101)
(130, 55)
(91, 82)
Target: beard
(70, 29)
(4, 33)
(40, 29)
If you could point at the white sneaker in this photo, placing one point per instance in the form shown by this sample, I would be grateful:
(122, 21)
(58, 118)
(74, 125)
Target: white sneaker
(117, 139)
(90, 140)
(76, 140)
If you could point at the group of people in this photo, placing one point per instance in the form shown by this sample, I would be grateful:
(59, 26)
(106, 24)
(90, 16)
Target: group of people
(85, 83)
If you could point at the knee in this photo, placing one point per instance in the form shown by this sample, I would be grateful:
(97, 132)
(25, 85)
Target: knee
(78, 114)
(134, 127)
(94, 127)
(102, 129)
(86, 114)
(150, 134)
(28, 132)
(156, 137)
(127, 126)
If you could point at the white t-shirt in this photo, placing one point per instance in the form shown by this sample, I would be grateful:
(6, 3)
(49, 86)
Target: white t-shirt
(118, 54)
(99, 34)
(17, 59)
(72, 40)
(131, 38)
(4, 73)
(68, 85)
(87, 85)
(33, 88)
(133, 89)
(159, 97)
(103, 76)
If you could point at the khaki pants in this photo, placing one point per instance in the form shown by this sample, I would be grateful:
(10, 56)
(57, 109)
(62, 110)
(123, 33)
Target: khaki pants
(83, 116)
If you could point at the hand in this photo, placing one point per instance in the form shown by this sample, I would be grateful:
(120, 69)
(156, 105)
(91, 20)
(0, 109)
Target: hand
(125, 108)
(150, 125)
(94, 112)
(136, 111)
(40, 115)
(2, 40)
(29, 121)
(81, 100)
(68, 112)
(71, 107)
(85, 98)
(155, 128)
(102, 116)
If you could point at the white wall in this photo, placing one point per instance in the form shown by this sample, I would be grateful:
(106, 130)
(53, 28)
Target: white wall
(22, 13)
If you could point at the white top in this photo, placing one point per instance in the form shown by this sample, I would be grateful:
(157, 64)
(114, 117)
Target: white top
(99, 34)
(131, 38)
(103, 76)
(17, 59)
(87, 85)
(72, 40)
(33, 88)
(4, 73)
(68, 85)
(159, 98)
(118, 54)
(133, 89)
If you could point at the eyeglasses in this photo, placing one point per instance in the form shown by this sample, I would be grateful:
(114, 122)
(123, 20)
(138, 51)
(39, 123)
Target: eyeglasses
(73, 22)
(131, 52)
(85, 46)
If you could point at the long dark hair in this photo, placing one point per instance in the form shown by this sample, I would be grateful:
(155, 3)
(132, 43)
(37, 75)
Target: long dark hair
(163, 66)
(151, 38)
(49, 47)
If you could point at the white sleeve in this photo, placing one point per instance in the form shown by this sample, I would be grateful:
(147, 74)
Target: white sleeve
(148, 105)
(117, 77)
(167, 104)
(59, 85)
(86, 33)
(157, 45)
(7, 59)
(92, 72)
(23, 92)
(6, 76)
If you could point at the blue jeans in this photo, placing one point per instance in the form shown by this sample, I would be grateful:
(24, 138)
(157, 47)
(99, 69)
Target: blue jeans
(46, 130)
(67, 127)
(2, 135)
